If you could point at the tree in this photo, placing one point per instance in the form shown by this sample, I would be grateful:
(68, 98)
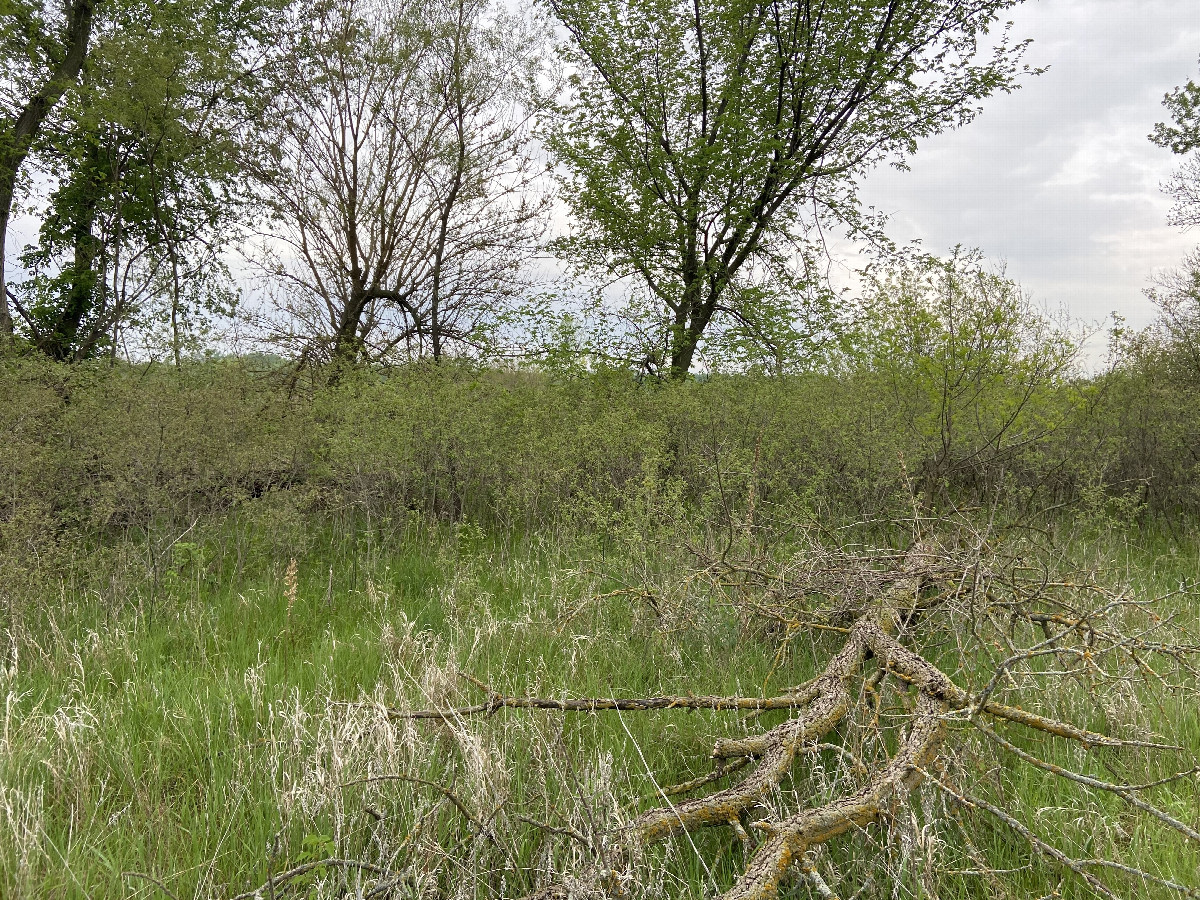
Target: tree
(1177, 292)
(400, 188)
(704, 135)
(1182, 136)
(44, 47)
(977, 372)
(144, 161)
(1175, 338)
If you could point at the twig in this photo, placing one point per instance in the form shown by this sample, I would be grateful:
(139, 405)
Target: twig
(282, 877)
(162, 887)
(1125, 792)
(440, 788)
(1036, 842)
(809, 867)
(555, 829)
(716, 775)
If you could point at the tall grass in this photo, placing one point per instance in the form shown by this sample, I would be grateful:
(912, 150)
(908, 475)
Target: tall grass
(177, 707)
(209, 730)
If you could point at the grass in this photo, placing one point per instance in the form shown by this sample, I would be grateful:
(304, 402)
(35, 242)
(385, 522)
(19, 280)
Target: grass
(178, 733)
(192, 725)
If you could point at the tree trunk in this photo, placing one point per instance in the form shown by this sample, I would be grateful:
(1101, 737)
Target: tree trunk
(447, 210)
(61, 343)
(683, 349)
(435, 323)
(62, 339)
(6, 322)
(18, 135)
(347, 342)
(691, 317)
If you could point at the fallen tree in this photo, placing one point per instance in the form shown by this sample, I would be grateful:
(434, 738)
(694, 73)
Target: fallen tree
(942, 648)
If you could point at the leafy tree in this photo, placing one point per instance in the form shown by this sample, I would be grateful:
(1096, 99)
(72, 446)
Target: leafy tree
(146, 156)
(1174, 340)
(1182, 136)
(704, 136)
(1177, 292)
(44, 46)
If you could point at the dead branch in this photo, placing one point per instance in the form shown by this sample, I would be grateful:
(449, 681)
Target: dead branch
(156, 882)
(881, 631)
(332, 862)
(497, 701)
(937, 659)
(721, 771)
(1125, 792)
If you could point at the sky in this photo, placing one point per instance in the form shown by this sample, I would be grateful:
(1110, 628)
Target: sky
(1058, 180)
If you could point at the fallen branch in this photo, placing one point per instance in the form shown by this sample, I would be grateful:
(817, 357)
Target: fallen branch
(906, 634)
(497, 701)
(156, 882)
(332, 862)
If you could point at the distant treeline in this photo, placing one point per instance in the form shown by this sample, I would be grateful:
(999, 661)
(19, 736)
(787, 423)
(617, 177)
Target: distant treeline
(92, 454)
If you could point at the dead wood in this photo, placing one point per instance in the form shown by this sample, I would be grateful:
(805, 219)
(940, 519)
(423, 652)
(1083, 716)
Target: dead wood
(943, 666)
(497, 702)
(929, 582)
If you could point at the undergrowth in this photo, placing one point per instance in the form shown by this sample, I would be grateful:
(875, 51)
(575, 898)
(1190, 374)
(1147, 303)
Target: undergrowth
(221, 722)
(217, 587)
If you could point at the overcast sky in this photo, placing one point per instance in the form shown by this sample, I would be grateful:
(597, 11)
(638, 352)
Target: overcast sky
(1058, 179)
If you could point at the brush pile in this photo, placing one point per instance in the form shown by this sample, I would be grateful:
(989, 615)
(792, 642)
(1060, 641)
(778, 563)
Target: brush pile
(954, 681)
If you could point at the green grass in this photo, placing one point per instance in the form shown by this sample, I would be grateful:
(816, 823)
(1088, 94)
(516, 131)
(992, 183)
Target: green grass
(193, 727)
(172, 734)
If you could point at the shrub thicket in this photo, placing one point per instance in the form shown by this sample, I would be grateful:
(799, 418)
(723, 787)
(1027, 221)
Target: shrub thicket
(956, 393)
(90, 453)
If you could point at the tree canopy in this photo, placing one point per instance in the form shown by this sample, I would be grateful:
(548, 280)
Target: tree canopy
(1182, 136)
(44, 47)
(139, 173)
(702, 136)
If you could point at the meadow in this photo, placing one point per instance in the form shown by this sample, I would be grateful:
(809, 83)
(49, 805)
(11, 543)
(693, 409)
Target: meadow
(224, 591)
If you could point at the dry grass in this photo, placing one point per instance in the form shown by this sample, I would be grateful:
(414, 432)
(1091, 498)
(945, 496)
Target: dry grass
(240, 737)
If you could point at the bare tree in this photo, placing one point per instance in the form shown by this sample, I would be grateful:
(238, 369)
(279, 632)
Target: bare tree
(401, 196)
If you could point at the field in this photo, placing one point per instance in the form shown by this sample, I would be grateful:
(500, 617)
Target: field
(203, 703)
(481, 450)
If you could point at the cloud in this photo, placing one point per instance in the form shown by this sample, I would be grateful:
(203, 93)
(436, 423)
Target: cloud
(1058, 179)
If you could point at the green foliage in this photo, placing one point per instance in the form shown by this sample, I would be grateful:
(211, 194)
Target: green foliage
(1175, 338)
(978, 375)
(962, 395)
(1182, 135)
(700, 138)
(529, 529)
(148, 155)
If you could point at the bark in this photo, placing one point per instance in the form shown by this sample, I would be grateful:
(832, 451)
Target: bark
(691, 318)
(683, 350)
(61, 343)
(19, 135)
(347, 342)
(435, 324)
